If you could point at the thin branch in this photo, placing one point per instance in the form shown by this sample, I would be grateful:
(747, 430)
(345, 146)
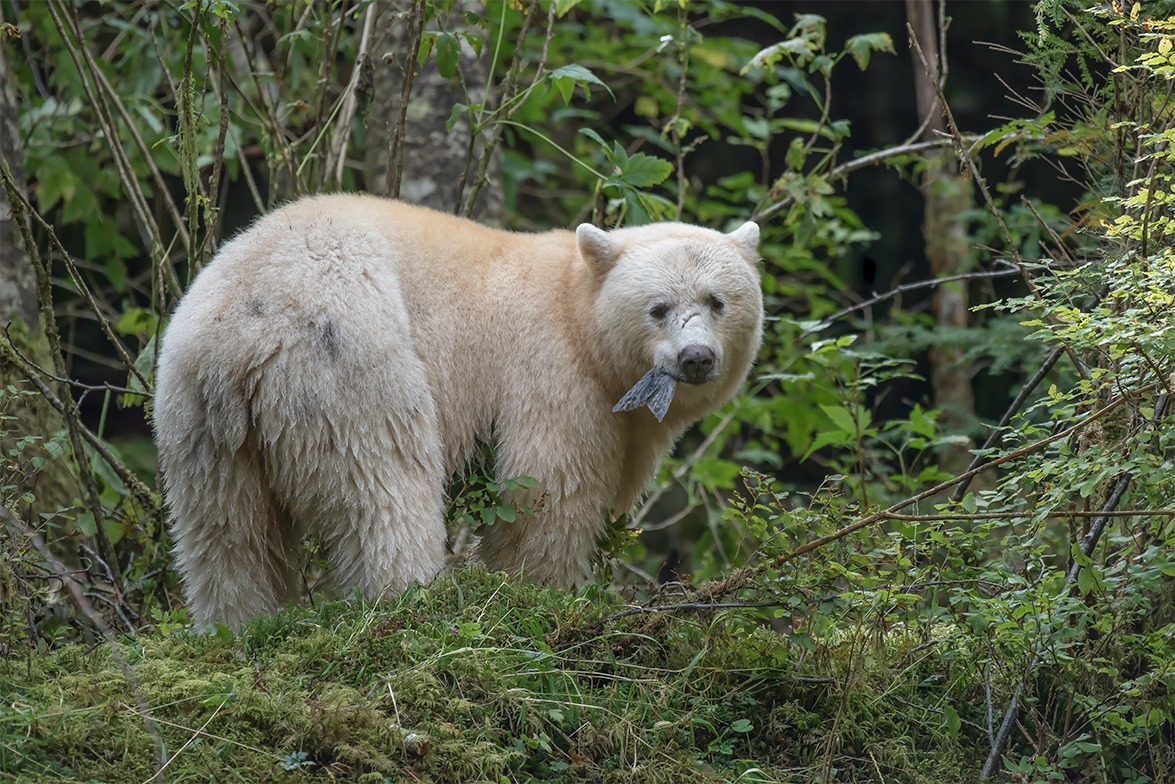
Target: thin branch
(351, 102)
(103, 387)
(212, 211)
(140, 491)
(680, 472)
(694, 606)
(997, 433)
(78, 51)
(20, 211)
(675, 121)
(828, 321)
(267, 114)
(396, 152)
(506, 107)
(929, 518)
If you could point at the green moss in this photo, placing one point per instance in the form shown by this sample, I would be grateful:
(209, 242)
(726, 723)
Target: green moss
(461, 682)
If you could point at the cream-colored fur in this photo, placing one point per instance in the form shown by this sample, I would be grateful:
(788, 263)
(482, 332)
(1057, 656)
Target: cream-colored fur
(336, 363)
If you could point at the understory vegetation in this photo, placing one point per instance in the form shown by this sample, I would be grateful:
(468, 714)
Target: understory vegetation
(933, 540)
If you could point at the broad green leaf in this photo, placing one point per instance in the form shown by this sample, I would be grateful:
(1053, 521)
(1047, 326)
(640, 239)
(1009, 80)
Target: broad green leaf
(448, 47)
(951, 721)
(765, 58)
(841, 417)
(642, 171)
(862, 47)
(566, 78)
(459, 109)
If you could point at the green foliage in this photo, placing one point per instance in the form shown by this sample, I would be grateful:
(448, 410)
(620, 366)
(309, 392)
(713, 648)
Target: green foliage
(479, 500)
(866, 644)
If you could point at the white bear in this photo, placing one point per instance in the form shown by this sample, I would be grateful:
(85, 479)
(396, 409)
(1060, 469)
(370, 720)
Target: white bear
(336, 363)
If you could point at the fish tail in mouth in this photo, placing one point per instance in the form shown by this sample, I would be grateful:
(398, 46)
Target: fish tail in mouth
(654, 390)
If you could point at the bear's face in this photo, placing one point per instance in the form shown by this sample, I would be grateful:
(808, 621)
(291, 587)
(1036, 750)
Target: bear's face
(680, 299)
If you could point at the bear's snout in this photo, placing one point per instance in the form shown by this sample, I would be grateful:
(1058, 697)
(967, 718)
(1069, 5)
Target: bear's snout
(696, 363)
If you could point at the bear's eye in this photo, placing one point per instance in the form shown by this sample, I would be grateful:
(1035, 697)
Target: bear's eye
(658, 311)
(716, 303)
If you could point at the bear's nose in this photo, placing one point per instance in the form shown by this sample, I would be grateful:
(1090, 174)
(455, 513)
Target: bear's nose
(696, 361)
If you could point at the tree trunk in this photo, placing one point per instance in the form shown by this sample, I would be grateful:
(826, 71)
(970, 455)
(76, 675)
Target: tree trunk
(434, 157)
(947, 195)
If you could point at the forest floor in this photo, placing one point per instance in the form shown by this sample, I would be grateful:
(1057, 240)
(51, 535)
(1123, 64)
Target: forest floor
(478, 679)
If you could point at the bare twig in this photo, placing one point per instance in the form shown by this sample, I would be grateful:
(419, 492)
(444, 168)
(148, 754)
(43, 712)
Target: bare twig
(997, 432)
(69, 28)
(506, 106)
(104, 387)
(828, 321)
(396, 151)
(351, 102)
(196, 735)
(681, 471)
(21, 211)
(267, 113)
(210, 214)
(929, 518)
(133, 483)
(693, 606)
(674, 124)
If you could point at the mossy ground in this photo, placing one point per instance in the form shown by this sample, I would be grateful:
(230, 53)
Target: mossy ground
(477, 679)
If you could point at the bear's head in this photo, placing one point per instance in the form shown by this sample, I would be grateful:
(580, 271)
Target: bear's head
(678, 299)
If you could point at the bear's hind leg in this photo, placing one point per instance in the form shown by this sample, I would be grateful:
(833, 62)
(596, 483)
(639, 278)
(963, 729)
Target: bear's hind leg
(388, 531)
(235, 545)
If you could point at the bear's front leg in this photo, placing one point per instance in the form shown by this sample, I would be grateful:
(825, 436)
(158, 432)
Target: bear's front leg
(578, 467)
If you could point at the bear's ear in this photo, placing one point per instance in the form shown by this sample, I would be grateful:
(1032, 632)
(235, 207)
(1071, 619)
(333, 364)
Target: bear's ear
(596, 247)
(747, 238)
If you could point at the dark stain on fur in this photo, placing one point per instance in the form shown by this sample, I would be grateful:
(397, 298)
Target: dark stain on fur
(255, 306)
(326, 334)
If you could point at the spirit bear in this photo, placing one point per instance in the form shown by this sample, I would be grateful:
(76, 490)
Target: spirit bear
(336, 363)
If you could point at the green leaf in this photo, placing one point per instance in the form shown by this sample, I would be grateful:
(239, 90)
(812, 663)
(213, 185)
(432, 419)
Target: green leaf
(741, 725)
(136, 321)
(506, 513)
(566, 78)
(636, 214)
(841, 417)
(642, 171)
(765, 58)
(829, 437)
(563, 6)
(1086, 580)
(595, 137)
(459, 110)
(950, 718)
(862, 47)
(85, 523)
(448, 47)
